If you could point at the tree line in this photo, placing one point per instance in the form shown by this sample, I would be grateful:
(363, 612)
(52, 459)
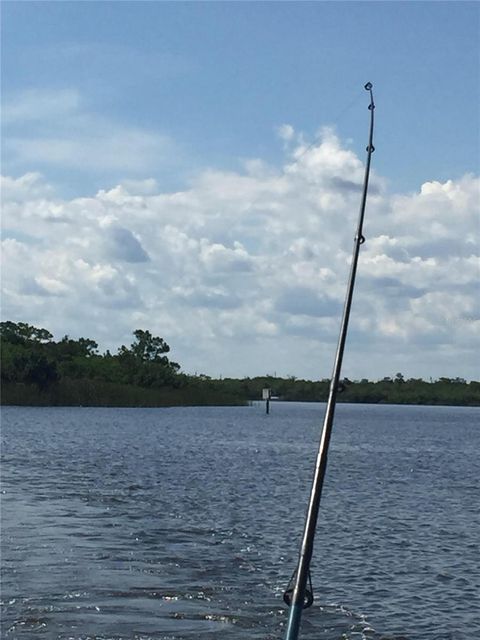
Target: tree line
(37, 370)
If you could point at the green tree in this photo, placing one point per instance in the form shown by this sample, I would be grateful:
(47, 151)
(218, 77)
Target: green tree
(68, 349)
(20, 364)
(148, 348)
(40, 371)
(22, 333)
(145, 364)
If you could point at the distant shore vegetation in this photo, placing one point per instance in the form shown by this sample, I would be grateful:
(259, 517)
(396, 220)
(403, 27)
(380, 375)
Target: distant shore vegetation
(38, 371)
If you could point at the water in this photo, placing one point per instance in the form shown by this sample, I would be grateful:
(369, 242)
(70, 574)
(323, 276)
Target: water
(185, 523)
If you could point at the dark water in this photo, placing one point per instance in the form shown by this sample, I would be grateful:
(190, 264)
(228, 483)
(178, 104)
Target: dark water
(185, 523)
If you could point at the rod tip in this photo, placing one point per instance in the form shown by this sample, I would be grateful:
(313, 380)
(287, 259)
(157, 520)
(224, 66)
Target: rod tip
(368, 86)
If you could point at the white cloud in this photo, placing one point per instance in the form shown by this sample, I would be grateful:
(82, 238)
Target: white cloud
(56, 128)
(245, 273)
(91, 148)
(30, 186)
(286, 132)
(40, 105)
(140, 187)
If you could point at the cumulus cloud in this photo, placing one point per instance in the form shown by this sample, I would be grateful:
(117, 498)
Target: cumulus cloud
(245, 273)
(301, 300)
(30, 186)
(125, 246)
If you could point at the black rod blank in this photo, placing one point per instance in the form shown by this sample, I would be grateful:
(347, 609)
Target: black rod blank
(298, 597)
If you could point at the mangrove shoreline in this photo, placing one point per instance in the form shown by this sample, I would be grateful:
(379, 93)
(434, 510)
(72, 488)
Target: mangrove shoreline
(38, 371)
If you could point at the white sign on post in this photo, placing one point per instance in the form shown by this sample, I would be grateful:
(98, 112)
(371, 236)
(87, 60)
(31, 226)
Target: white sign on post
(265, 394)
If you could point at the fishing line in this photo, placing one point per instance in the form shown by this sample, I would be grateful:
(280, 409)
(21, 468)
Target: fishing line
(341, 114)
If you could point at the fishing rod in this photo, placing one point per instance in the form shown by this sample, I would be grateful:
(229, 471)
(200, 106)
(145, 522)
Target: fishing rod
(297, 595)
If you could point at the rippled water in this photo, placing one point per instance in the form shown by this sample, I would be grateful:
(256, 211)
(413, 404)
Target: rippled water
(185, 523)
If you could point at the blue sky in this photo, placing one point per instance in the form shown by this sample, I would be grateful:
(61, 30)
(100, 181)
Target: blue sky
(158, 175)
(219, 77)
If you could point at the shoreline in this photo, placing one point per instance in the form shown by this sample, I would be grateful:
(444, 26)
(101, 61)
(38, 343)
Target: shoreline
(248, 403)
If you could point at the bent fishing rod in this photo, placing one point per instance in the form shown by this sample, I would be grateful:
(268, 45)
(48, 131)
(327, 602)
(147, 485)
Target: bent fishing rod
(297, 595)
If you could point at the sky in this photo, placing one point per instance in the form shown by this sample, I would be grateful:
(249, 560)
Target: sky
(195, 169)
